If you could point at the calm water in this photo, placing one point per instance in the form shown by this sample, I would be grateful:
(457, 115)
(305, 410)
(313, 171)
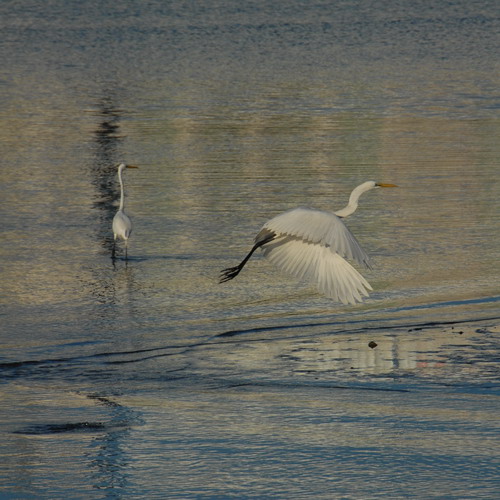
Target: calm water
(148, 379)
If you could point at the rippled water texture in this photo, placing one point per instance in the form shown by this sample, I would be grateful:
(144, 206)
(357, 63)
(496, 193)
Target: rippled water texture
(147, 378)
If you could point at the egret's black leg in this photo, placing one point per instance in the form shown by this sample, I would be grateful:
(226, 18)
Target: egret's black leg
(113, 251)
(232, 272)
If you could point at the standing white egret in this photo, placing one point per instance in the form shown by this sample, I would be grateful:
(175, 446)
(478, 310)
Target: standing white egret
(314, 244)
(122, 226)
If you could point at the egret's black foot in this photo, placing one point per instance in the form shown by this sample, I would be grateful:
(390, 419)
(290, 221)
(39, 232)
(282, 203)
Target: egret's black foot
(229, 273)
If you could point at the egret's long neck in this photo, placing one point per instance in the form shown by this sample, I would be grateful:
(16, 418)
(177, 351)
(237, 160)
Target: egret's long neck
(351, 207)
(122, 194)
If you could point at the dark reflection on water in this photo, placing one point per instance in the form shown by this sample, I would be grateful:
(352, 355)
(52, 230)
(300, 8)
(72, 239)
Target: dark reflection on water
(57, 428)
(108, 456)
(103, 168)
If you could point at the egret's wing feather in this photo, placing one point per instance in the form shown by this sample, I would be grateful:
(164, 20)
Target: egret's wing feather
(323, 228)
(122, 226)
(332, 274)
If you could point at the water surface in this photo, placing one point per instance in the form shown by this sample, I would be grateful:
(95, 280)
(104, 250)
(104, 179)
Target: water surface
(147, 378)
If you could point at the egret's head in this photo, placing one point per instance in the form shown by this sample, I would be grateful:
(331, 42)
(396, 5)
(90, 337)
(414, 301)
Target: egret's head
(355, 195)
(122, 166)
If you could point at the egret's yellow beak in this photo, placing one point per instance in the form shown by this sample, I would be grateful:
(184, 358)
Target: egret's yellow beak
(384, 185)
(131, 166)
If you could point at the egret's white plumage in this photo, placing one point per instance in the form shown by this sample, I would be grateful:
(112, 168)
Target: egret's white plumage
(314, 245)
(122, 225)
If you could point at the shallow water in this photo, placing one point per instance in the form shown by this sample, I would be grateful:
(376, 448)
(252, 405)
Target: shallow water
(147, 378)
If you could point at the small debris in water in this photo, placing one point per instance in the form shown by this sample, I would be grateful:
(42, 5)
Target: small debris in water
(372, 344)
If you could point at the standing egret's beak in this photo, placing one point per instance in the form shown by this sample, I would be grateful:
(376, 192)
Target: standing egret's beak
(131, 166)
(383, 185)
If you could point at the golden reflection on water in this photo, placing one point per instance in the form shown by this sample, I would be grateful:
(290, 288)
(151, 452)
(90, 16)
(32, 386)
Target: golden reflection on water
(431, 240)
(450, 354)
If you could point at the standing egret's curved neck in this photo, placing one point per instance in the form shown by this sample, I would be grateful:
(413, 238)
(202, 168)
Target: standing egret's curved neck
(122, 194)
(353, 199)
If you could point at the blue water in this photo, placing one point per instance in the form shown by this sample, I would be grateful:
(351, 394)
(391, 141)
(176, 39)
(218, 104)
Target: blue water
(147, 378)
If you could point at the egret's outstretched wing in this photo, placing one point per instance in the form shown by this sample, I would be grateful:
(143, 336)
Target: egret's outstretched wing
(332, 274)
(319, 227)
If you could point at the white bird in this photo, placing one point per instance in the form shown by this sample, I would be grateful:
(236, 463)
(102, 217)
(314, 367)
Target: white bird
(122, 226)
(313, 244)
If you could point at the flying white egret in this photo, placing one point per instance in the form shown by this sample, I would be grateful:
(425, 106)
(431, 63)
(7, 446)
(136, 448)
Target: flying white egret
(122, 226)
(314, 244)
